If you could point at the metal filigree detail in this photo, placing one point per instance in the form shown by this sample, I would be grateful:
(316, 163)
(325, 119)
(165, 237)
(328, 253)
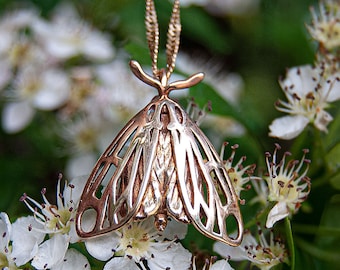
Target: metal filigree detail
(161, 164)
(173, 41)
(152, 34)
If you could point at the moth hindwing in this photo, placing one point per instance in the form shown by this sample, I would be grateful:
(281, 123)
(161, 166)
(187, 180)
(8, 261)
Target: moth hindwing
(161, 164)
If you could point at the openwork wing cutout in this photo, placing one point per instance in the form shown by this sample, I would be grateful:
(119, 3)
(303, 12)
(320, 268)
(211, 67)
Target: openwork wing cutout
(207, 193)
(161, 163)
(116, 186)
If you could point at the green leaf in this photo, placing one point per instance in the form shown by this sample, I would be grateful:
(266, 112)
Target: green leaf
(335, 181)
(138, 52)
(333, 137)
(204, 94)
(333, 158)
(202, 28)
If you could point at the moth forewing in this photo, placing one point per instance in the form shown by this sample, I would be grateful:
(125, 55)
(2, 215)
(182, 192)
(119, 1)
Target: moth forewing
(200, 170)
(118, 173)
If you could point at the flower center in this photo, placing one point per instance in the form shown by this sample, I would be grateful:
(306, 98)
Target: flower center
(18, 53)
(30, 88)
(86, 138)
(236, 180)
(135, 241)
(329, 34)
(60, 220)
(3, 261)
(284, 190)
(267, 256)
(309, 104)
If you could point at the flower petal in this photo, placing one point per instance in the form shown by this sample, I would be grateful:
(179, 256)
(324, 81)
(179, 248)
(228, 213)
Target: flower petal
(300, 80)
(288, 127)
(98, 46)
(103, 247)
(278, 212)
(51, 252)
(334, 93)
(221, 265)
(75, 192)
(73, 260)
(54, 92)
(5, 231)
(175, 256)
(120, 263)
(26, 236)
(80, 165)
(235, 253)
(322, 120)
(16, 116)
(175, 229)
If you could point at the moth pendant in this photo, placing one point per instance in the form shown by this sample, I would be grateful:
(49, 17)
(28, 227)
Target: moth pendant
(161, 164)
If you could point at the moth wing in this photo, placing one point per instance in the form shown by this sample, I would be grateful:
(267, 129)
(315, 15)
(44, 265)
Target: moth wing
(199, 172)
(114, 192)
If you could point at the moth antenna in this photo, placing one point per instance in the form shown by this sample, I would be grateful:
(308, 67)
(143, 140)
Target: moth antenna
(187, 83)
(152, 34)
(144, 77)
(172, 44)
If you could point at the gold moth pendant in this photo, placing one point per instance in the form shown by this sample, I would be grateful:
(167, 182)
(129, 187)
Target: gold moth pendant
(161, 164)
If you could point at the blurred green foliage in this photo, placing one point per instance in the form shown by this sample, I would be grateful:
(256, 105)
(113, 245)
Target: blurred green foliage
(259, 47)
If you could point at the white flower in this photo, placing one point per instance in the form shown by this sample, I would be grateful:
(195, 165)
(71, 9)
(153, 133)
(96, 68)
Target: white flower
(55, 220)
(325, 27)
(83, 86)
(10, 26)
(87, 137)
(139, 243)
(239, 175)
(34, 89)
(308, 91)
(261, 190)
(6, 258)
(288, 185)
(73, 260)
(53, 254)
(32, 232)
(19, 47)
(67, 36)
(120, 94)
(262, 253)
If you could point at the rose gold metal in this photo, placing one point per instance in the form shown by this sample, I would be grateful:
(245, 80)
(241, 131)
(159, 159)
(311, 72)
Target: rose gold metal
(160, 164)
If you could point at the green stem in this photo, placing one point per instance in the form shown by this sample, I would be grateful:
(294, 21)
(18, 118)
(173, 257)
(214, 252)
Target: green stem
(264, 213)
(290, 241)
